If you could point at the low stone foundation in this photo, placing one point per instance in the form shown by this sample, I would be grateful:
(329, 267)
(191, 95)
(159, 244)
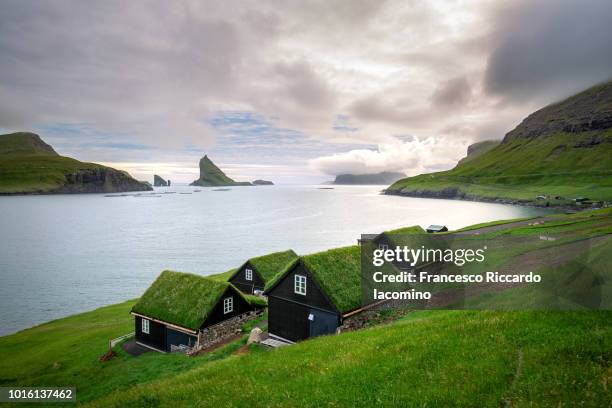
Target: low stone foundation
(221, 331)
(358, 321)
(383, 313)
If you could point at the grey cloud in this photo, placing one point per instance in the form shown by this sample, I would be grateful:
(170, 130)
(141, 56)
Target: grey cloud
(150, 68)
(376, 109)
(452, 93)
(548, 49)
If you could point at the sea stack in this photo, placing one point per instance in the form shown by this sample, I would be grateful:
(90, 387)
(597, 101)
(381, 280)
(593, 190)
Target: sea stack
(160, 182)
(213, 176)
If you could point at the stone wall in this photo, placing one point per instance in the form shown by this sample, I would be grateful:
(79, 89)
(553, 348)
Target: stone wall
(221, 331)
(358, 321)
(382, 313)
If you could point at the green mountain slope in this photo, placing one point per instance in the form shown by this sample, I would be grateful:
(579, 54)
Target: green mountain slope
(477, 149)
(211, 175)
(563, 150)
(30, 166)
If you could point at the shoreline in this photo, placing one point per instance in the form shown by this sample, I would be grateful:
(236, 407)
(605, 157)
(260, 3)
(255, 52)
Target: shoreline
(441, 196)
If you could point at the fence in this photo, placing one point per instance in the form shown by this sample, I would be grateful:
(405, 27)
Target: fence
(113, 342)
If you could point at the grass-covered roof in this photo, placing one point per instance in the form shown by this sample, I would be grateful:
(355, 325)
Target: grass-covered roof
(415, 229)
(183, 299)
(271, 265)
(338, 272)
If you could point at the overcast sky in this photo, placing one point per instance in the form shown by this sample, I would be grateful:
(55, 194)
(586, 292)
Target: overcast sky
(293, 91)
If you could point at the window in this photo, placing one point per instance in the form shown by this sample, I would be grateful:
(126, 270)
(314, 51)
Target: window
(145, 326)
(384, 247)
(299, 285)
(248, 274)
(228, 305)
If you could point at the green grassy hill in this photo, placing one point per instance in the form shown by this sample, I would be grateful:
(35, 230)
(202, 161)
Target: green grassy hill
(563, 150)
(211, 176)
(29, 165)
(426, 358)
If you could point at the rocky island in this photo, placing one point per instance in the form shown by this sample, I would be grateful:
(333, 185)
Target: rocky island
(385, 177)
(259, 182)
(213, 176)
(28, 165)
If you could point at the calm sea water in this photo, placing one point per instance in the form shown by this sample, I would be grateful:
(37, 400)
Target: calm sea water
(65, 254)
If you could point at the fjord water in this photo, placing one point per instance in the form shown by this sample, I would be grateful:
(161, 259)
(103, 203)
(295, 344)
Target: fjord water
(65, 254)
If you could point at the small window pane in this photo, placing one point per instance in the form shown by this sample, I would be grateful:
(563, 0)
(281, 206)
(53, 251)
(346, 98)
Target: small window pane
(300, 284)
(248, 274)
(228, 305)
(145, 326)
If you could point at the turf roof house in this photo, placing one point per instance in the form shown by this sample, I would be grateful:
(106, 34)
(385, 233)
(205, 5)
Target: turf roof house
(389, 239)
(256, 272)
(314, 294)
(178, 307)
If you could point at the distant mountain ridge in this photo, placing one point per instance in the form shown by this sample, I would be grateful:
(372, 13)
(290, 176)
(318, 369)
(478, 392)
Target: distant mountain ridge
(384, 177)
(28, 165)
(559, 152)
(212, 176)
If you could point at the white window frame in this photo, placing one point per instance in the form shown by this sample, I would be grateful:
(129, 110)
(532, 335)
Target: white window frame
(248, 274)
(228, 305)
(145, 326)
(299, 284)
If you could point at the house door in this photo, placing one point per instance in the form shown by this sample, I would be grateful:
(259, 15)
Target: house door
(322, 322)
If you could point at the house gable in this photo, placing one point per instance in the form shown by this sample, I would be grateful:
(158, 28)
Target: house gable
(239, 306)
(315, 295)
(239, 279)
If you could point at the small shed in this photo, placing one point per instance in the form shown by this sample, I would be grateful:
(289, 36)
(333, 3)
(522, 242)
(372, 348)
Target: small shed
(436, 228)
(314, 294)
(256, 272)
(178, 306)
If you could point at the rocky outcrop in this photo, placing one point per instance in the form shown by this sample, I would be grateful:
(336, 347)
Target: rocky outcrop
(385, 177)
(478, 149)
(213, 176)
(159, 182)
(586, 111)
(100, 180)
(262, 183)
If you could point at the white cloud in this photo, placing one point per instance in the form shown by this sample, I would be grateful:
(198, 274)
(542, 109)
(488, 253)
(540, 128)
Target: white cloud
(409, 156)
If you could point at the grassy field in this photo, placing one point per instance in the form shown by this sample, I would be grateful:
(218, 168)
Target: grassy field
(427, 358)
(437, 359)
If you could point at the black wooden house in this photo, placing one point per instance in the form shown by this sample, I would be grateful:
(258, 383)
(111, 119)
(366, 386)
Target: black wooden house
(314, 294)
(256, 272)
(177, 306)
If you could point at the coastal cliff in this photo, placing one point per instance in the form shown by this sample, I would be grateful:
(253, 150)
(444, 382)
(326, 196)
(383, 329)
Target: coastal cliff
(28, 165)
